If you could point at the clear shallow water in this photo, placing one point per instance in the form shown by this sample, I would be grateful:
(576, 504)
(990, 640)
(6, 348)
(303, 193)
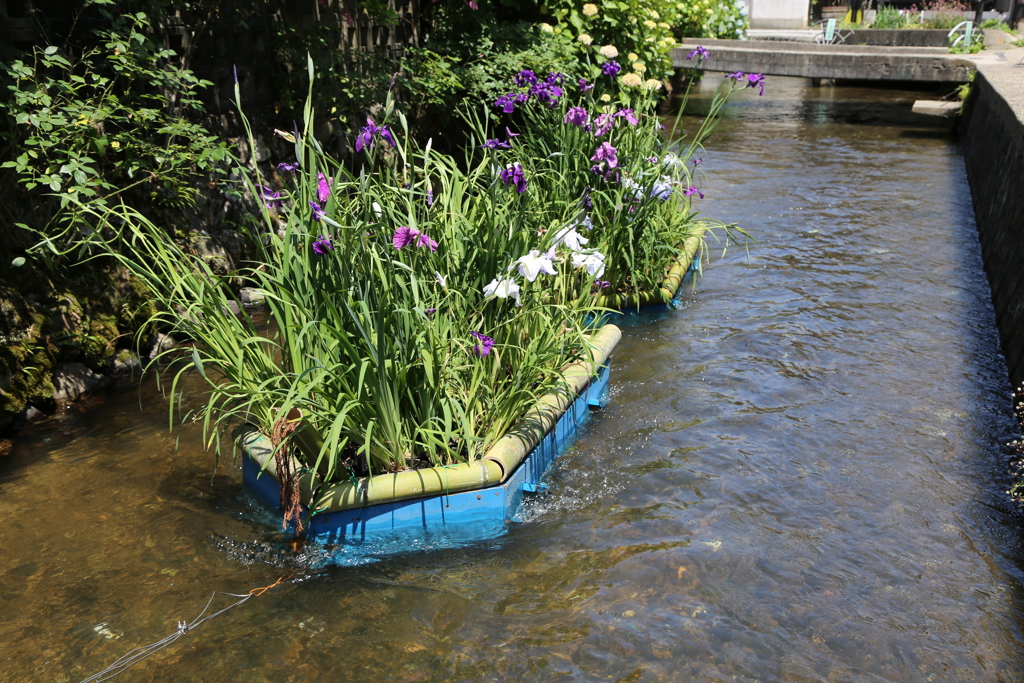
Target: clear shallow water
(799, 477)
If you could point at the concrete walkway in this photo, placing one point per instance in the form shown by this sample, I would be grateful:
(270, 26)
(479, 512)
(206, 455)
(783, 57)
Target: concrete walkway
(808, 60)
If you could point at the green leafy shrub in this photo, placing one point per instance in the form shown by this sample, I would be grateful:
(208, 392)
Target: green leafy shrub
(637, 33)
(948, 13)
(889, 17)
(712, 19)
(107, 119)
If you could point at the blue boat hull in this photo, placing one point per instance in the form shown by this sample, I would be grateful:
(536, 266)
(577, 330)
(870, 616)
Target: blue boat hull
(459, 517)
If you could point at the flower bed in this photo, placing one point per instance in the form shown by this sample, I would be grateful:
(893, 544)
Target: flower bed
(429, 498)
(422, 304)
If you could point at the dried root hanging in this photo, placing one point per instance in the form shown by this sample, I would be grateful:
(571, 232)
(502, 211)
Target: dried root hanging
(287, 473)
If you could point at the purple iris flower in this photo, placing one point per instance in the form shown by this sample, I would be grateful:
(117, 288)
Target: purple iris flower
(697, 162)
(507, 103)
(736, 75)
(495, 143)
(607, 154)
(701, 52)
(404, 236)
(513, 174)
(318, 210)
(756, 80)
(509, 134)
(603, 124)
(430, 197)
(424, 240)
(692, 189)
(661, 190)
(269, 198)
(365, 139)
(555, 78)
(577, 116)
(610, 68)
(584, 86)
(628, 115)
(588, 203)
(524, 78)
(285, 167)
(547, 93)
(322, 245)
(601, 284)
(323, 187)
(483, 348)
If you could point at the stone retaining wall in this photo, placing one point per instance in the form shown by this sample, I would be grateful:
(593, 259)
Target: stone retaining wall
(992, 134)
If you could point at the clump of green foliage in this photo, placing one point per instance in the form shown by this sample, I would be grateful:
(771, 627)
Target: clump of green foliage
(948, 13)
(889, 17)
(105, 119)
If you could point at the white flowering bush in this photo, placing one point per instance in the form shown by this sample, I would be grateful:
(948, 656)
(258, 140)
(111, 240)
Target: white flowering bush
(712, 19)
(636, 34)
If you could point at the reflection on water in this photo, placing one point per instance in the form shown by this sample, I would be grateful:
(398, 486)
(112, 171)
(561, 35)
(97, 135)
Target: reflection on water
(799, 476)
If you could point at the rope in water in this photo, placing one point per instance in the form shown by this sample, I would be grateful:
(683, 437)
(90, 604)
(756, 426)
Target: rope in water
(141, 653)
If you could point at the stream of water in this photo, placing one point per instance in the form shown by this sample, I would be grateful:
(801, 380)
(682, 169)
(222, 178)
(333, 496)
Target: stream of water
(800, 475)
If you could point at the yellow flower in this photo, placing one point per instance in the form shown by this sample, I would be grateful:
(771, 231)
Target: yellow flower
(655, 15)
(653, 84)
(650, 24)
(662, 24)
(632, 80)
(115, 144)
(558, 29)
(589, 10)
(608, 51)
(584, 38)
(640, 67)
(547, 28)
(632, 56)
(606, 97)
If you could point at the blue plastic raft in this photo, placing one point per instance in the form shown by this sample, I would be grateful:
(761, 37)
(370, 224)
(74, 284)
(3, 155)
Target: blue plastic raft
(459, 517)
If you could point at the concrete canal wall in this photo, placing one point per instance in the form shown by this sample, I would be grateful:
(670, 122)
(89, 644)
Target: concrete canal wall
(992, 134)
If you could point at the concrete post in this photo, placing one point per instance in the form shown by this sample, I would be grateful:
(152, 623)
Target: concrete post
(778, 14)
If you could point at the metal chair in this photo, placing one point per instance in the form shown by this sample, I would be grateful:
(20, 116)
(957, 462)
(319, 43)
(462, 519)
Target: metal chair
(830, 34)
(963, 33)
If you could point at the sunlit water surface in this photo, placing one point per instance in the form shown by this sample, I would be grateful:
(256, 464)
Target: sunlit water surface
(800, 475)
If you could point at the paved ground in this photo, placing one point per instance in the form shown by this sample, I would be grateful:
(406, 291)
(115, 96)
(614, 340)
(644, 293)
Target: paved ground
(1004, 71)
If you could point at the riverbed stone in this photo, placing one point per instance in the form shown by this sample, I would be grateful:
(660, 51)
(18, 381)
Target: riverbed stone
(126, 362)
(73, 380)
(161, 342)
(251, 296)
